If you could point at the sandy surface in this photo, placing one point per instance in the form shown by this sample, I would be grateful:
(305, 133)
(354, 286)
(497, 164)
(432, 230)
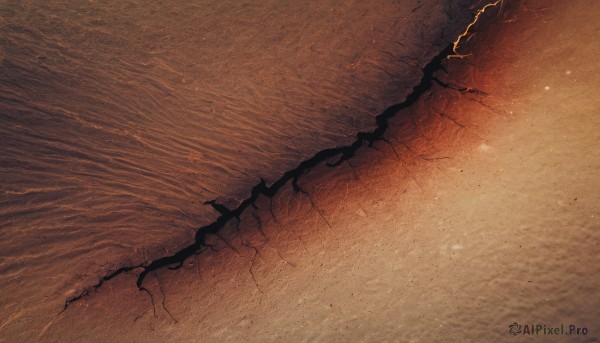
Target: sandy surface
(118, 119)
(482, 210)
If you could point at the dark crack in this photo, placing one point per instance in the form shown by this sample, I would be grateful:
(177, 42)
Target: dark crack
(342, 154)
(105, 278)
(218, 207)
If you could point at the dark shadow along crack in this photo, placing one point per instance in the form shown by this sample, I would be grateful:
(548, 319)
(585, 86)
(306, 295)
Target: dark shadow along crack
(343, 154)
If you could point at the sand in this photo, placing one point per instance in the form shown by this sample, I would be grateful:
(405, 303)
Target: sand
(118, 120)
(481, 210)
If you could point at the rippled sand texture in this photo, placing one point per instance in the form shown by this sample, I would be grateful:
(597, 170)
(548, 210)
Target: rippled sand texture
(483, 210)
(118, 119)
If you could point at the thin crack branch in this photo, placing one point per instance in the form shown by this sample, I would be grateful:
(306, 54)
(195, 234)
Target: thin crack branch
(314, 205)
(462, 90)
(252, 262)
(143, 289)
(164, 298)
(259, 226)
(444, 115)
(267, 241)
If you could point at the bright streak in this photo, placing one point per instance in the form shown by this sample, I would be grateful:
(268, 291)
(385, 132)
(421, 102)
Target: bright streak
(464, 34)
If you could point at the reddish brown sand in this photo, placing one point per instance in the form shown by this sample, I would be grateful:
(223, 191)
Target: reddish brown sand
(483, 210)
(118, 119)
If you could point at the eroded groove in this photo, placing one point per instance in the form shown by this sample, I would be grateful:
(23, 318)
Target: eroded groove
(323, 156)
(345, 153)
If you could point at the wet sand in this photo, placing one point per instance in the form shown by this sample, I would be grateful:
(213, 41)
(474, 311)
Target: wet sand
(480, 210)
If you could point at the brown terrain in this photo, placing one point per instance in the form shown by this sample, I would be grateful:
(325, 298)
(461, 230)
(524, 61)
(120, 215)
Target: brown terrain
(479, 206)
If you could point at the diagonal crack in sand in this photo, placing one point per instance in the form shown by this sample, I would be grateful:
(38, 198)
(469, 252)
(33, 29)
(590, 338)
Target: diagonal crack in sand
(344, 152)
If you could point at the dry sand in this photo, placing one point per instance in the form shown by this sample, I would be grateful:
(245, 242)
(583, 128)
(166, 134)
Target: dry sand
(118, 119)
(482, 210)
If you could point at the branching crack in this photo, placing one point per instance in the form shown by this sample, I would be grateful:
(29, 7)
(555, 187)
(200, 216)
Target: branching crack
(344, 153)
(341, 154)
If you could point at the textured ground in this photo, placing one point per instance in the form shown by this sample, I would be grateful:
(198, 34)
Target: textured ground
(481, 211)
(118, 119)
